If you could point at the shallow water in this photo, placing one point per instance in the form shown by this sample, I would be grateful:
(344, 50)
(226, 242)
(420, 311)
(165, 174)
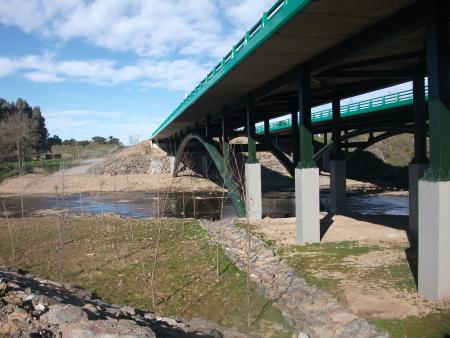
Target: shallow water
(204, 205)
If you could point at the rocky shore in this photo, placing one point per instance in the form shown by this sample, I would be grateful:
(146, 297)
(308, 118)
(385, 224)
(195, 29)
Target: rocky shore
(311, 311)
(35, 307)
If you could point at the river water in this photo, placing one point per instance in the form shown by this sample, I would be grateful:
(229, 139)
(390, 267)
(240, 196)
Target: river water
(200, 205)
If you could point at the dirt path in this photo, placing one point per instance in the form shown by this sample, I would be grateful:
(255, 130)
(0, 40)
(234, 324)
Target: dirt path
(83, 167)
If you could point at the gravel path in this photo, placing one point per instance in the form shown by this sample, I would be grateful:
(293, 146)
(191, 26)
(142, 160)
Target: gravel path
(306, 308)
(83, 167)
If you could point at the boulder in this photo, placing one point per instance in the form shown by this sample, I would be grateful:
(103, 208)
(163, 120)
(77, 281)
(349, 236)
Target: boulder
(106, 329)
(62, 314)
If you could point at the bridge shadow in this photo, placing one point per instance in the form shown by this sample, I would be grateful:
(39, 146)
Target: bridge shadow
(391, 221)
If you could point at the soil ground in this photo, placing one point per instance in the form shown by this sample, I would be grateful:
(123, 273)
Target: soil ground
(82, 178)
(115, 258)
(369, 264)
(47, 184)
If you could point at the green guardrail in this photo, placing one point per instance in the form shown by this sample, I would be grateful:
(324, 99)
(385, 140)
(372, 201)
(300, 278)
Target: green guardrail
(388, 101)
(280, 13)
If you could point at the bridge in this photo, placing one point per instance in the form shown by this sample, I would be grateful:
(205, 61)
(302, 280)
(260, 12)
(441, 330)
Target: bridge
(305, 53)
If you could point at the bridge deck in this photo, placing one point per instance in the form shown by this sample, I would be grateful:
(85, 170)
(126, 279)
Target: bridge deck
(326, 34)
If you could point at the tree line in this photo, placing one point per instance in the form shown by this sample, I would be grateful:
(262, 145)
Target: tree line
(22, 130)
(23, 133)
(55, 140)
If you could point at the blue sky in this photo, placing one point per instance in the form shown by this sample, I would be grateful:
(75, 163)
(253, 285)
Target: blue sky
(113, 67)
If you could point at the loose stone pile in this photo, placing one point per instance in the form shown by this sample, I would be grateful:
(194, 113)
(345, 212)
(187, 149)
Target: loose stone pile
(306, 308)
(132, 165)
(34, 307)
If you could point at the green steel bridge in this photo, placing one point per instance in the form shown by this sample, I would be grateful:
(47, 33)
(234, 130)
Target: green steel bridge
(303, 54)
(390, 101)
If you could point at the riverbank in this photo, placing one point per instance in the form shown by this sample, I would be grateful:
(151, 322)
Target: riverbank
(84, 183)
(369, 264)
(37, 307)
(168, 267)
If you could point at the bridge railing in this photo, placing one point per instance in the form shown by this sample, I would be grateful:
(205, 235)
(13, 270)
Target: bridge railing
(388, 101)
(277, 15)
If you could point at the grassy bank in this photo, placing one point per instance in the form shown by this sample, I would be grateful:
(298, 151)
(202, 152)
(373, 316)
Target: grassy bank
(374, 281)
(82, 152)
(114, 257)
(10, 169)
(330, 266)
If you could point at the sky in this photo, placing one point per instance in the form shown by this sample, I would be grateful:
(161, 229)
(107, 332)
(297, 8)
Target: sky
(114, 67)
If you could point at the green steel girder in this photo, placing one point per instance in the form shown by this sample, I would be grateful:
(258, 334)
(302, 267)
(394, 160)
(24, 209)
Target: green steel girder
(306, 131)
(279, 155)
(223, 167)
(438, 53)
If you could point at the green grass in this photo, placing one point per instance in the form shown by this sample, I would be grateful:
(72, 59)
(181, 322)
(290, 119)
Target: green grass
(90, 150)
(113, 257)
(314, 262)
(435, 325)
(328, 257)
(9, 169)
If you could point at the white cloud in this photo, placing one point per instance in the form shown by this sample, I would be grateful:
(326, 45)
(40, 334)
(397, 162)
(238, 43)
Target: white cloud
(177, 41)
(146, 27)
(177, 74)
(42, 77)
(7, 66)
(245, 13)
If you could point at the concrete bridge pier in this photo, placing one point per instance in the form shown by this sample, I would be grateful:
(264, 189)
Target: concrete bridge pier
(307, 200)
(338, 165)
(307, 205)
(171, 164)
(419, 164)
(434, 188)
(253, 194)
(338, 186)
(253, 191)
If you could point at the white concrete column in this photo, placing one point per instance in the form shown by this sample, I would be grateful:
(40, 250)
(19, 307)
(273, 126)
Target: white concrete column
(171, 164)
(253, 195)
(434, 239)
(338, 186)
(307, 206)
(415, 172)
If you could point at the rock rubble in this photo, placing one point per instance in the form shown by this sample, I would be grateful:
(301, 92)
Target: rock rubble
(34, 307)
(132, 165)
(310, 310)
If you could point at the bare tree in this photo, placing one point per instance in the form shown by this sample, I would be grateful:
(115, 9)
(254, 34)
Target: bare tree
(18, 134)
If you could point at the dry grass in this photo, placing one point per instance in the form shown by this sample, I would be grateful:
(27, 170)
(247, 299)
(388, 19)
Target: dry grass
(100, 255)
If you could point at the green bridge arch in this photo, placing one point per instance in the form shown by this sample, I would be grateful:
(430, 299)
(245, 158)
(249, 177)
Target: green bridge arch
(222, 166)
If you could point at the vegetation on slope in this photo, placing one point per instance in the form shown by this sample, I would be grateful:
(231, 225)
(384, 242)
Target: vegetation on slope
(114, 258)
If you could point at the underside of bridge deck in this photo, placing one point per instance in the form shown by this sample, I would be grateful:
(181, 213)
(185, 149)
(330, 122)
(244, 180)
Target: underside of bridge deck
(303, 54)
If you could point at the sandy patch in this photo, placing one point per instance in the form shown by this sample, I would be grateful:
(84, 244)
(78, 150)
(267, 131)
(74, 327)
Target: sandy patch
(47, 184)
(343, 228)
